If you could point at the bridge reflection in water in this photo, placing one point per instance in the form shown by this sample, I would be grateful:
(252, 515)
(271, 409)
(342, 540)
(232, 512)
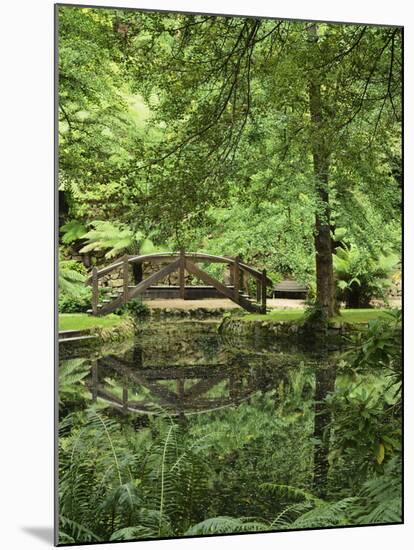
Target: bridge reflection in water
(175, 390)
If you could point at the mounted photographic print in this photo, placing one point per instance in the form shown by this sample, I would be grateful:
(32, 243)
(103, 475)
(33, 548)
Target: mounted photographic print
(229, 274)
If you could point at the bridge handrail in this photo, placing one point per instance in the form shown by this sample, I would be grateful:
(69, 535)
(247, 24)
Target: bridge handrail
(175, 255)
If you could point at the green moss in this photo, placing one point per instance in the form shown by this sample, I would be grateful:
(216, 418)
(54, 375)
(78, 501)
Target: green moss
(346, 316)
(82, 321)
(276, 315)
(361, 315)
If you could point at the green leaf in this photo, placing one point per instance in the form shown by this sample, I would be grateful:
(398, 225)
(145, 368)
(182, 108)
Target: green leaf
(340, 233)
(72, 231)
(380, 454)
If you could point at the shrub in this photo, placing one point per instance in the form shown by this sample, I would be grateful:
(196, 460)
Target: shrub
(135, 307)
(79, 304)
(361, 276)
(74, 296)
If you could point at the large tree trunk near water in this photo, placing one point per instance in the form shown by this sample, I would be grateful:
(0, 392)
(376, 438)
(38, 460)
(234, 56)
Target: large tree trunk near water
(325, 285)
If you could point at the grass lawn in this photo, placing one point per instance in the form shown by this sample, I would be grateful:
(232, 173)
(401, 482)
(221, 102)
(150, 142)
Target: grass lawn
(81, 321)
(346, 316)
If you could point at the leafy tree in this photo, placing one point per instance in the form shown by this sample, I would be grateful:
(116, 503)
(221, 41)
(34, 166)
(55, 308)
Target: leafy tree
(297, 91)
(101, 123)
(165, 118)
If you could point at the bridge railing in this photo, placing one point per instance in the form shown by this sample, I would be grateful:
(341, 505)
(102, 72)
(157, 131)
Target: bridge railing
(182, 261)
(165, 256)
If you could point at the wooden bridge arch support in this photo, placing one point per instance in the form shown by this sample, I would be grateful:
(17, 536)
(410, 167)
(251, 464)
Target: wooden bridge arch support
(181, 261)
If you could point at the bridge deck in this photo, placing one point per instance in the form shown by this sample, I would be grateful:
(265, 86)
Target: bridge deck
(218, 303)
(193, 292)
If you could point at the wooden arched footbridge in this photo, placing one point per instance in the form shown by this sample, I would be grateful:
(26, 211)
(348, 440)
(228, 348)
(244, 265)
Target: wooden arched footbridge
(181, 262)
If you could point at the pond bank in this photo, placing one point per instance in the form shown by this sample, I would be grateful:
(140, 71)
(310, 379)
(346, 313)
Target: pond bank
(288, 329)
(90, 333)
(93, 332)
(290, 324)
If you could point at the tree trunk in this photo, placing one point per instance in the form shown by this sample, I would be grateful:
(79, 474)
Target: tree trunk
(325, 285)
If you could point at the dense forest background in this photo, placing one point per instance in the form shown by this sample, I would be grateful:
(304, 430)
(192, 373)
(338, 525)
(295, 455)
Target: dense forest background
(278, 141)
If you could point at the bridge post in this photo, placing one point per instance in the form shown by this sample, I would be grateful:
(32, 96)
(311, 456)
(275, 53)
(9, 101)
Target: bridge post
(236, 277)
(263, 287)
(95, 291)
(125, 278)
(231, 271)
(182, 274)
(242, 284)
(258, 291)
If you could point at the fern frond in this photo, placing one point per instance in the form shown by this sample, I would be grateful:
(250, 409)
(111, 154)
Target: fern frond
(71, 282)
(71, 374)
(327, 514)
(135, 532)
(109, 236)
(226, 524)
(380, 499)
(72, 231)
(291, 492)
(78, 532)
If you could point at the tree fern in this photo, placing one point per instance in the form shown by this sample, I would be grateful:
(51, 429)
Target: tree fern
(72, 231)
(116, 239)
(358, 271)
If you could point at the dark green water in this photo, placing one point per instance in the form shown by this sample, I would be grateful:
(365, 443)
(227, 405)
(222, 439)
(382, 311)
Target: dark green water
(187, 368)
(247, 417)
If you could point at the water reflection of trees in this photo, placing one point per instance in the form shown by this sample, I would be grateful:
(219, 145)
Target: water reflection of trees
(179, 391)
(325, 377)
(275, 433)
